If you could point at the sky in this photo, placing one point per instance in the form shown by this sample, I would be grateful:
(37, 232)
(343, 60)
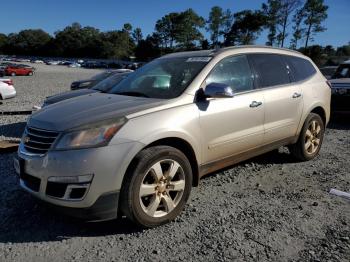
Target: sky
(107, 15)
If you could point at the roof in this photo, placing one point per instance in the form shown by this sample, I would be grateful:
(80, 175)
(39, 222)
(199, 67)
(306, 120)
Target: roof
(214, 52)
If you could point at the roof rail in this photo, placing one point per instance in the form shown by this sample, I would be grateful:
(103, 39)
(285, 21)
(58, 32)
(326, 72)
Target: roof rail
(256, 46)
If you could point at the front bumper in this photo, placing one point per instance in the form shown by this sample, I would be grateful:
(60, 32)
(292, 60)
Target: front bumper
(105, 208)
(107, 165)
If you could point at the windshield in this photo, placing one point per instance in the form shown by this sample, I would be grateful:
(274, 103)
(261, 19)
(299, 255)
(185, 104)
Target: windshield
(107, 84)
(343, 71)
(162, 78)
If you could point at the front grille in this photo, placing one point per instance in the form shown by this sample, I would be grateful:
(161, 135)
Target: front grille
(38, 141)
(33, 183)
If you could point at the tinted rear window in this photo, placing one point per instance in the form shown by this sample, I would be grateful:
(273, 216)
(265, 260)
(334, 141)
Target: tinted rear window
(271, 70)
(343, 71)
(300, 67)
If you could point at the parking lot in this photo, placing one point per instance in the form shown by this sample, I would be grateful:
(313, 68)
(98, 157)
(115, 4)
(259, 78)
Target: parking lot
(268, 208)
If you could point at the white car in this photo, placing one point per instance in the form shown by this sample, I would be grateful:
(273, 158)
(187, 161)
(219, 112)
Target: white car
(74, 65)
(7, 89)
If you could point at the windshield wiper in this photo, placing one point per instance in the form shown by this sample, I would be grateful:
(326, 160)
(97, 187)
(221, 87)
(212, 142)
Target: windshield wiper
(131, 93)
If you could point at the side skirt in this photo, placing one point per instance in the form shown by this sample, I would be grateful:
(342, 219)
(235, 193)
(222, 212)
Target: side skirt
(234, 159)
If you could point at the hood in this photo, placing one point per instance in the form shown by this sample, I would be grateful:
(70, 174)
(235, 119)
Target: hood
(67, 95)
(87, 109)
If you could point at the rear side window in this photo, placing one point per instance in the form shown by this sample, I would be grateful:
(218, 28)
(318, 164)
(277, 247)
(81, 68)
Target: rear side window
(271, 70)
(300, 67)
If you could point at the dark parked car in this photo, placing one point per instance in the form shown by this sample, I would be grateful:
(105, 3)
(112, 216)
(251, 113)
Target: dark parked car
(94, 64)
(88, 83)
(102, 87)
(328, 71)
(341, 89)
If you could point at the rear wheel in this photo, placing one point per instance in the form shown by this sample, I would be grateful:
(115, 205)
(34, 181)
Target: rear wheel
(13, 74)
(155, 191)
(30, 73)
(310, 138)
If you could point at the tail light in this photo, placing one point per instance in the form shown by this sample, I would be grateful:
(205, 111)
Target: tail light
(329, 84)
(9, 82)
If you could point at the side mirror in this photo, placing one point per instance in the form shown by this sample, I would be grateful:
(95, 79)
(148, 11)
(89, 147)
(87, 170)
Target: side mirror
(218, 90)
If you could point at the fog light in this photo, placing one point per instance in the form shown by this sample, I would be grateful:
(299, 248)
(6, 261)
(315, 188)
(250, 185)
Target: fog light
(71, 179)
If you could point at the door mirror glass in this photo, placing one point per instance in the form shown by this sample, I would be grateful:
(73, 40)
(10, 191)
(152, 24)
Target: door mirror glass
(218, 90)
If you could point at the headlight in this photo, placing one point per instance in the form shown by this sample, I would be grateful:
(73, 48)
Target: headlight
(90, 136)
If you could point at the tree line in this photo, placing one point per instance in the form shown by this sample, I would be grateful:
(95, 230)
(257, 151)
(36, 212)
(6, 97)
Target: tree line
(295, 20)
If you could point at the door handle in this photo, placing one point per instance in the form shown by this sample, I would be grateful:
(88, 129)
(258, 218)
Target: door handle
(296, 95)
(255, 104)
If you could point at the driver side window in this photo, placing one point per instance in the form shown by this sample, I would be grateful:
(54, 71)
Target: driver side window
(233, 71)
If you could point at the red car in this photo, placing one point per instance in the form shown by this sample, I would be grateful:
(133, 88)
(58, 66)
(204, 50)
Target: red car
(18, 71)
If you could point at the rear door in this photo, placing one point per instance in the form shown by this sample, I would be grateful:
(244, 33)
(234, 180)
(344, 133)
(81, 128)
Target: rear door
(283, 98)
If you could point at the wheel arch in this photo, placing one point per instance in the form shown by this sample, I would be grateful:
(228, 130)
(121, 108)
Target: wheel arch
(317, 108)
(179, 143)
(186, 148)
(321, 112)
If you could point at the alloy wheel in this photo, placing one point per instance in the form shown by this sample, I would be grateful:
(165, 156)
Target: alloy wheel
(162, 188)
(312, 137)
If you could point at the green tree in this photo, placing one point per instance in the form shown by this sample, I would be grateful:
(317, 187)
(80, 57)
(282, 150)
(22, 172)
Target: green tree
(166, 29)
(127, 27)
(271, 11)
(246, 27)
(118, 44)
(287, 8)
(78, 41)
(298, 30)
(227, 24)
(148, 48)
(215, 24)
(343, 50)
(278, 15)
(28, 42)
(3, 43)
(137, 35)
(187, 29)
(315, 52)
(315, 13)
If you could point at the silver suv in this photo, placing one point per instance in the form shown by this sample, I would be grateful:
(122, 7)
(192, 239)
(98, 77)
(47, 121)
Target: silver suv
(138, 151)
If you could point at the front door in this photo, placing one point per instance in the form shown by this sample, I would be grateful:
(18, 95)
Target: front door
(230, 126)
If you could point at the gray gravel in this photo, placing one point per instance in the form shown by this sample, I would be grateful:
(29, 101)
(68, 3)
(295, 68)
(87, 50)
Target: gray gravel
(269, 208)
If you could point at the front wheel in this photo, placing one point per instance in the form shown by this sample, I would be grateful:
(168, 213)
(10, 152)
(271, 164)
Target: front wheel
(310, 138)
(157, 187)
(13, 74)
(30, 73)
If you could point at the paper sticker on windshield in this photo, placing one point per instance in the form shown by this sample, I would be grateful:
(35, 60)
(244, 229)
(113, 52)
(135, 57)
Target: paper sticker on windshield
(199, 59)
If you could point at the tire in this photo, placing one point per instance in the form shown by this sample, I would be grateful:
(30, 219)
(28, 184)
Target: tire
(30, 73)
(164, 195)
(13, 74)
(310, 139)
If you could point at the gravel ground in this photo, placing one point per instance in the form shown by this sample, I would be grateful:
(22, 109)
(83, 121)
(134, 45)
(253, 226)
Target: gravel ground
(269, 208)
